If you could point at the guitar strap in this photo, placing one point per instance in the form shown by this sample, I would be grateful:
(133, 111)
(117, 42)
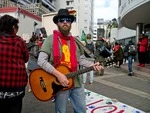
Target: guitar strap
(85, 49)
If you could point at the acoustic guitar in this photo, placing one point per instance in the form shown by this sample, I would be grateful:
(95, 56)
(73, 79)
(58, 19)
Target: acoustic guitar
(45, 86)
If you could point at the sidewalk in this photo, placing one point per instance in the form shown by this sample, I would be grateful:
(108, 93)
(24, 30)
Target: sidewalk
(114, 85)
(142, 72)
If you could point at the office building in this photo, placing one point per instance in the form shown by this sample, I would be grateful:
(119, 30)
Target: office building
(134, 19)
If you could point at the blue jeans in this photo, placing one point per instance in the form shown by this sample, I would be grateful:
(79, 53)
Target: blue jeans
(91, 77)
(130, 58)
(77, 98)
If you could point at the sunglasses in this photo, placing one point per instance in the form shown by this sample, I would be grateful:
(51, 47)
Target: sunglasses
(61, 20)
(88, 37)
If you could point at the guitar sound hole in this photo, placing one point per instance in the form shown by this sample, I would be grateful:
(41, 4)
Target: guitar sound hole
(43, 84)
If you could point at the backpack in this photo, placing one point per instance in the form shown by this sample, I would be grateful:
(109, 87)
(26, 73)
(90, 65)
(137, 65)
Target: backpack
(132, 50)
(89, 47)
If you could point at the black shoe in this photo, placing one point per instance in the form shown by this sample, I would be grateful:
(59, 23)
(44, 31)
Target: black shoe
(130, 74)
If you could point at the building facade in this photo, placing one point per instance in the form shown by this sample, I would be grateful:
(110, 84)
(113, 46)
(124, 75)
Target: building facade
(84, 13)
(134, 19)
(28, 12)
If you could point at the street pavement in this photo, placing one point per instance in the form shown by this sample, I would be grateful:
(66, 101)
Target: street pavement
(114, 84)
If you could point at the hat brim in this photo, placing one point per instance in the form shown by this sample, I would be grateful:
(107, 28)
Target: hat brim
(55, 18)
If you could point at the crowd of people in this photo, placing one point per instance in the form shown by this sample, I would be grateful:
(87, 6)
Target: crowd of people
(60, 48)
(116, 54)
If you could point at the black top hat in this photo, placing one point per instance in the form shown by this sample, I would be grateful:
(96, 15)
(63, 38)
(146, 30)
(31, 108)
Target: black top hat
(63, 13)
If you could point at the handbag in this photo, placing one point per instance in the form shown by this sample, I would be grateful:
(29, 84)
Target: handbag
(32, 64)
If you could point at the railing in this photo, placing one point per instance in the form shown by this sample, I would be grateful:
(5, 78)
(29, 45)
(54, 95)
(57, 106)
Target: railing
(35, 8)
(6, 3)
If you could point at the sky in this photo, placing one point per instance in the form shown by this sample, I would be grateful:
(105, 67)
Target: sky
(106, 9)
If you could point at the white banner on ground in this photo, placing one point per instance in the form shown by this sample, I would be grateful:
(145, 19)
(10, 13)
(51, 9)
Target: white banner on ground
(96, 103)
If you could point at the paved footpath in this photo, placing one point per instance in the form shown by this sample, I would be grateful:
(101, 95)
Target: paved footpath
(115, 92)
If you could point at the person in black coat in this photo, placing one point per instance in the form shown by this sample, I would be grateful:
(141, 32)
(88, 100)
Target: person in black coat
(130, 56)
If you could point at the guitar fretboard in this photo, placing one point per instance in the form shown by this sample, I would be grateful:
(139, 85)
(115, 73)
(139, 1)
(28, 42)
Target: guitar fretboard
(72, 74)
(87, 69)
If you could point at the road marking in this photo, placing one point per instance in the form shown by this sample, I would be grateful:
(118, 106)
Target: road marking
(108, 75)
(124, 88)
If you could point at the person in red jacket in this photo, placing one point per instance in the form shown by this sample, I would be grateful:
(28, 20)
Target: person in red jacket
(117, 52)
(142, 49)
(13, 56)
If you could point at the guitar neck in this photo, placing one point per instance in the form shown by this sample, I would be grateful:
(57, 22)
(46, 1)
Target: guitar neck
(87, 69)
(84, 48)
(72, 74)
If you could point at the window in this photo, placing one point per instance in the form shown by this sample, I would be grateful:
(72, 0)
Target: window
(67, 2)
(24, 16)
(119, 3)
(85, 29)
(69, 8)
(85, 22)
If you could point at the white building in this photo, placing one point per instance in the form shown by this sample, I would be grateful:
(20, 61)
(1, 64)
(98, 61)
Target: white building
(28, 12)
(84, 13)
(134, 19)
(95, 32)
(26, 20)
(101, 30)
